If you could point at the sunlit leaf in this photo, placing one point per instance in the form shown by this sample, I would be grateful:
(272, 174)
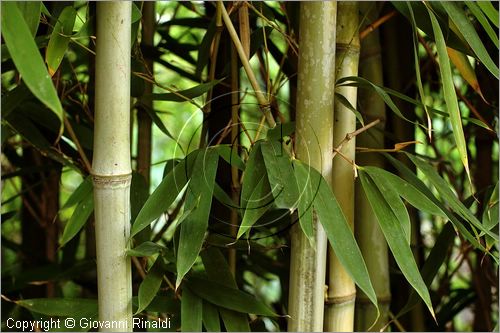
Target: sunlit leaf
(465, 68)
(194, 227)
(80, 193)
(479, 15)
(27, 58)
(60, 38)
(150, 285)
(450, 96)
(31, 12)
(145, 249)
(489, 10)
(79, 218)
(394, 234)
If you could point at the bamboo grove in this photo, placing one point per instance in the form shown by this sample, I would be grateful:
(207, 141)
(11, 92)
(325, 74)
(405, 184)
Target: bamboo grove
(250, 166)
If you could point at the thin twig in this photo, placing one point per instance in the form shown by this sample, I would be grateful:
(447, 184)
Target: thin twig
(372, 26)
(351, 135)
(79, 148)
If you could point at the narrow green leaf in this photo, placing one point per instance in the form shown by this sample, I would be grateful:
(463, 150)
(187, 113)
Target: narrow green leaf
(218, 271)
(194, 227)
(409, 192)
(449, 91)
(136, 13)
(489, 10)
(466, 28)
(394, 234)
(447, 194)
(490, 212)
(280, 174)
(79, 194)
(165, 194)
(204, 49)
(150, 286)
(308, 192)
(145, 249)
(31, 12)
(254, 171)
(27, 58)
(230, 154)
(183, 95)
(338, 232)
(341, 98)
(191, 311)
(139, 193)
(79, 218)
(281, 130)
(211, 319)
(224, 198)
(258, 203)
(156, 120)
(226, 297)
(481, 18)
(61, 307)
(60, 38)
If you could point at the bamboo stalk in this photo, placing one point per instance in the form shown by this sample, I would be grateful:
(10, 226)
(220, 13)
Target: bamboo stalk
(111, 167)
(339, 312)
(314, 144)
(368, 234)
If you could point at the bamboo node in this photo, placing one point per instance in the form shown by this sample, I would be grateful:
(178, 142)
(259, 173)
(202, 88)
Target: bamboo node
(112, 181)
(340, 299)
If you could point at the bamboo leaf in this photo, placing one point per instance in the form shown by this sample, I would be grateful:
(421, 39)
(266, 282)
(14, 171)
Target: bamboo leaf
(150, 286)
(31, 12)
(409, 192)
(478, 13)
(258, 203)
(490, 213)
(139, 193)
(211, 319)
(79, 218)
(281, 130)
(339, 233)
(145, 249)
(254, 171)
(345, 102)
(79, 194)
(194, 227)
(467, 30)
(230, 154)
(61, 307)
(465, 68)
(226, 297)
(204, 49)
(280, 175)
(27, 58)
(182, 95)
(191, 311)
(165, 194)
(306, 199)
(394, 234)
(489, 10)
(60, 38)
(449, 92)
(447, 194)
(157, 121)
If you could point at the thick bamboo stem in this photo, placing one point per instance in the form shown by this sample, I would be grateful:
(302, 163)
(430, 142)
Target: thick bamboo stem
(339, 310)
(111, 167)
(368, 234)
(314, 144)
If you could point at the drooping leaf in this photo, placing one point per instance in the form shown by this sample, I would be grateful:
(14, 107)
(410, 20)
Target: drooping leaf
(139, 193)
(394, 234)
(79, 218)
(165, 194)
(157, 121)
(258, 203)
(145, 249)
(211, 319)
(136, 13)
(150, 285)
(31, 12)
(281, 130)
(490, 212)
(80, 193)
(345, 102)
(469, 32)
(191, 311)
(27, 58)
(338, 232)
(465, 68)
(449, 92)
(204, 49)
(61, 307)
(254, 171)
(308, 192)
(447, 194)
(194, 227)
(60, 38)
(280, 175)
(183, 95)
(230, 154)
(482, 19)
(489, 10)
(226, 297)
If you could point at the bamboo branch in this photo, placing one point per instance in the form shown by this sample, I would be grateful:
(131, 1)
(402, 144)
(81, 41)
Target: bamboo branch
(373, 26)
(350, 136)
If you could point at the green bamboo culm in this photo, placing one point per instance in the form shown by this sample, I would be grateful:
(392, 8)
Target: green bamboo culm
(111, 169)
(368, 234)
(339, 311)
(314, 125)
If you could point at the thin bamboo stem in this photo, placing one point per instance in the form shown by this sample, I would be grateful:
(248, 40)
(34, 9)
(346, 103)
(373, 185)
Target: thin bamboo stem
(339, 312)
(111, 167)
(313, 145)
(368, 234)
